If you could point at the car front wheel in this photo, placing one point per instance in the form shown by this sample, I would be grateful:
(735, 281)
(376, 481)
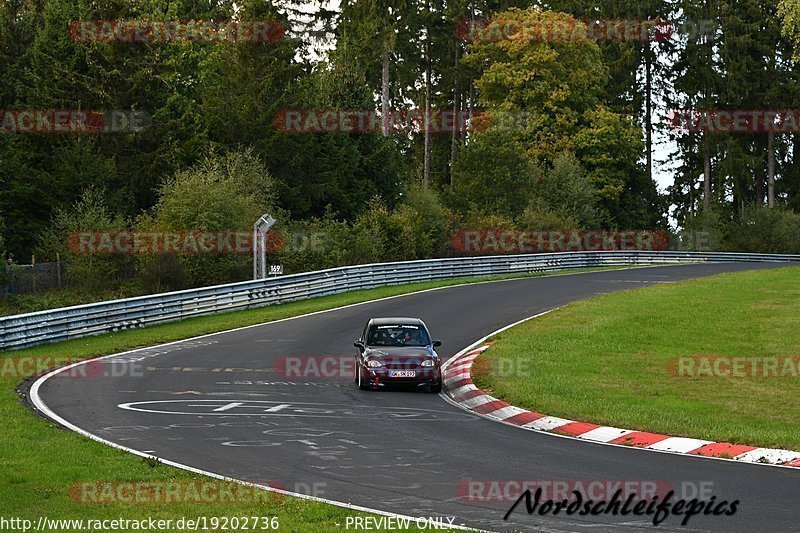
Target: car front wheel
(363, 385)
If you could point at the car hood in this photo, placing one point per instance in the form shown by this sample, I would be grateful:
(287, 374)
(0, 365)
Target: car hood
(383, 352)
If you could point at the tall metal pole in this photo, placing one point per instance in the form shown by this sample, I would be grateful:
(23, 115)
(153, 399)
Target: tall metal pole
(255, 250)
(260, 229)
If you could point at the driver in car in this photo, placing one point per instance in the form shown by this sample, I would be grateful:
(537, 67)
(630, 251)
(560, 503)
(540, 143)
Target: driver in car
(382, 338)
(411, 337)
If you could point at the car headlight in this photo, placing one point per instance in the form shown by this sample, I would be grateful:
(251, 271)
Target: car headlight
(428, 362)
(374, 364)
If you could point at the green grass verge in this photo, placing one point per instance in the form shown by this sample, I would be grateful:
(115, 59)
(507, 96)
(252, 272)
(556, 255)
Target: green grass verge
(611, 360)
(39, 464)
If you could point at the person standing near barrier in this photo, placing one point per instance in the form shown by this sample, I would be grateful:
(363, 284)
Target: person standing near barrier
(10, 276)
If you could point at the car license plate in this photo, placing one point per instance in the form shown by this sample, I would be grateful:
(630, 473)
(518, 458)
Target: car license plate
(402, 374)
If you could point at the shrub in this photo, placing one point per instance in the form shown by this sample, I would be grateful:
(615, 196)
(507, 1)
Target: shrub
(765, 230)
(304, 245)
(433, 224)
(222, 193)
(88, 271)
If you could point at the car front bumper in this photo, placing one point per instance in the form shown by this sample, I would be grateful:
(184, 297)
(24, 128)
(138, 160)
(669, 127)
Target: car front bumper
(381, 377)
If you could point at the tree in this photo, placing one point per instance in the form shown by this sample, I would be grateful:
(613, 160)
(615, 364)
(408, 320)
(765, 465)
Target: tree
(789, 11)
(545, 95)
(636, 67)
(494, 175)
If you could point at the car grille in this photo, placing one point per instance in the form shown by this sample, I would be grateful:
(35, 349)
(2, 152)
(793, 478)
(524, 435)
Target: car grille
(402, 365)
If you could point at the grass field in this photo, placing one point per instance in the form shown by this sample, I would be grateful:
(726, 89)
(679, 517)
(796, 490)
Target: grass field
(613, 359)
(40, 464)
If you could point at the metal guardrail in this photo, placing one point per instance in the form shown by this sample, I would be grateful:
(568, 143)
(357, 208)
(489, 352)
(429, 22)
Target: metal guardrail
(19, 331)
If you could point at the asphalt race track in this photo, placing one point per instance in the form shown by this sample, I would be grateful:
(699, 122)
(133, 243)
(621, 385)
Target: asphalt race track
(405, 452)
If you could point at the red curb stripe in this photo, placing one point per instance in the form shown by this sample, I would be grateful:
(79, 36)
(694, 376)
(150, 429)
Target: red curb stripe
(523, 418)
(467, 395)
(490, 407)
(460, 383)
(717, 449)
(795, 463)
(574, 429)
(639, 439)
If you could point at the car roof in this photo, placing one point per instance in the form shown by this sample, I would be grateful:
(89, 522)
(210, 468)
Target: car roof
(396, 320)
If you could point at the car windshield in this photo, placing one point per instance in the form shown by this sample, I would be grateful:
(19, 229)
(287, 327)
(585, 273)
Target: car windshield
(397, 335)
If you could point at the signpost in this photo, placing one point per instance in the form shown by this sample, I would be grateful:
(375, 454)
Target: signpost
(260, 229)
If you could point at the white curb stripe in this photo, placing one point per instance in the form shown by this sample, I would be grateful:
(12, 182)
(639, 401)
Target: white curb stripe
(547, 423)
(679, 444)
(462, 389)
(470, 356)
(477, 401)
(460, 366)
(506, 412)
(770, 455)
(605, 434)
(450, 379)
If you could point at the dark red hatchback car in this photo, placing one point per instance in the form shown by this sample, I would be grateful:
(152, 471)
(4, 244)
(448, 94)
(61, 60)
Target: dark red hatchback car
(397, 351)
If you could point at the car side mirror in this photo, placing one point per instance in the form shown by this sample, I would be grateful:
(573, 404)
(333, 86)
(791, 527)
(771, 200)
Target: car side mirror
(436, 344)
(359, 344)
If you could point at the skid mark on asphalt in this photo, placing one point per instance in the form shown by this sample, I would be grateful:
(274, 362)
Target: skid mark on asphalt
(278, 383)
(250, 443)
(253, 394)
